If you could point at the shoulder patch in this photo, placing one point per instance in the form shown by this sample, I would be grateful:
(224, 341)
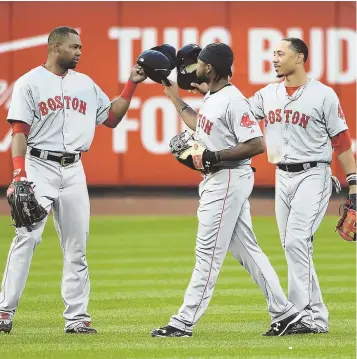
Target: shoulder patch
(246, 121)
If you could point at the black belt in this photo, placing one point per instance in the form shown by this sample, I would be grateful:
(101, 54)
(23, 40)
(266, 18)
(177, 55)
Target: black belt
(216, 169)
(297, 167)
(63, 159)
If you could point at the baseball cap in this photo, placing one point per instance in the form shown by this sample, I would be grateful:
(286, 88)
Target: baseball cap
(219, 55)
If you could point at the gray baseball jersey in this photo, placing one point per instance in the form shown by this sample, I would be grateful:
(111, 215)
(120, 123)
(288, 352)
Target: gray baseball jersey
(224, 120)
(62, 113)
(298, 127)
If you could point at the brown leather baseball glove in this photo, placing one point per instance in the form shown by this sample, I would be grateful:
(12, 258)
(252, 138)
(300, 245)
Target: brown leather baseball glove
(346, 226)
(25, 210)
(192, 153)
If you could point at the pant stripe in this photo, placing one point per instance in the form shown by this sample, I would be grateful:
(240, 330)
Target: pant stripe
(7, 270)
(215, 245)
(311, 233)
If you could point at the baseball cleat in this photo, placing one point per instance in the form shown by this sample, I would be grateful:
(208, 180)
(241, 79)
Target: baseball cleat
(170, 331)
(300, 328)
(278, 329)
(5, 323)
(81, 328)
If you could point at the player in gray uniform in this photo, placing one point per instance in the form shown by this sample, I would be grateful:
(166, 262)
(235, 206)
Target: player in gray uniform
(54, 112)
(303, 123)
(227, 128)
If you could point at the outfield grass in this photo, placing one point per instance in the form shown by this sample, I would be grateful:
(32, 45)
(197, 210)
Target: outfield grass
(140, 268)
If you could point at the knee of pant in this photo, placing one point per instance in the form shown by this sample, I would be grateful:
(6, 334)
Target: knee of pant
(294, 245)
(75, 257)
(24, 236)
(289, 246)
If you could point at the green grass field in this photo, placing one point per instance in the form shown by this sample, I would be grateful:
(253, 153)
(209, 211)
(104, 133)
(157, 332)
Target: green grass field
(140, 267)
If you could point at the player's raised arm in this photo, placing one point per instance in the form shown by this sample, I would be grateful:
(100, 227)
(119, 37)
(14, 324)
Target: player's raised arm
(120, 105)
(188, 115)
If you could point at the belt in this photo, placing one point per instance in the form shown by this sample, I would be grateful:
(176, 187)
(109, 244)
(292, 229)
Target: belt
(297, 167)
(216, 169)
(63, 159)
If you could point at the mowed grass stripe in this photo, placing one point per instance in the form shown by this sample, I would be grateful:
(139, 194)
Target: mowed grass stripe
(174, 293)
(158, 260)
(113, 270)
(149, 283)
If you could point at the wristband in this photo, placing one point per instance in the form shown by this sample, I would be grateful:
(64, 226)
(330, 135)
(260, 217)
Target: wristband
(128, 90)
(351, 179)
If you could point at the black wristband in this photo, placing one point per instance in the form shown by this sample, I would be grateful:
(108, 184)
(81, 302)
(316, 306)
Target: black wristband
(351, 179)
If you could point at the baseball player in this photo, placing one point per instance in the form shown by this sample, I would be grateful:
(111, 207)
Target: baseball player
(53, 113)
(227, 128)
(303, 121)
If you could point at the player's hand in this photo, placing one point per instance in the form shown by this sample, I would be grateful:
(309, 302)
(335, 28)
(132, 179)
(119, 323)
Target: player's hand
(137, 74)
(352, 189)
(171, 91)
(200, 88)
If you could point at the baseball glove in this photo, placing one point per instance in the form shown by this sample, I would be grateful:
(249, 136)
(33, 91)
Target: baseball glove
(346, 226)
(192, 153)
(25, 210)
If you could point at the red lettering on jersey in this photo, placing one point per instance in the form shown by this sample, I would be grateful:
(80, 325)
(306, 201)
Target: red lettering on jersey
(58, 99)
(296, 117)
(43, 108)
(208, 127)
(340, 112)
(68, 99)
(75, 103)
(82, 107)
(57, 103)
(304, 120)
(199, 119)
(271, 116)
(287, 114)
(246, 121)
(203, 122)
(51, 104)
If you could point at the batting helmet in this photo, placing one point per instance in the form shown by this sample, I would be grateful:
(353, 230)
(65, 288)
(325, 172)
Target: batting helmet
(155, 65)
(169, 51)
(186, 66)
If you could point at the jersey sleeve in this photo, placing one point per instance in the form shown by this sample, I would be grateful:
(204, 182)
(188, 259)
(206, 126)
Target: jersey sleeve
(22, 105)
(333, 114)
(103, 105)
(256, 105)
(241, 120)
